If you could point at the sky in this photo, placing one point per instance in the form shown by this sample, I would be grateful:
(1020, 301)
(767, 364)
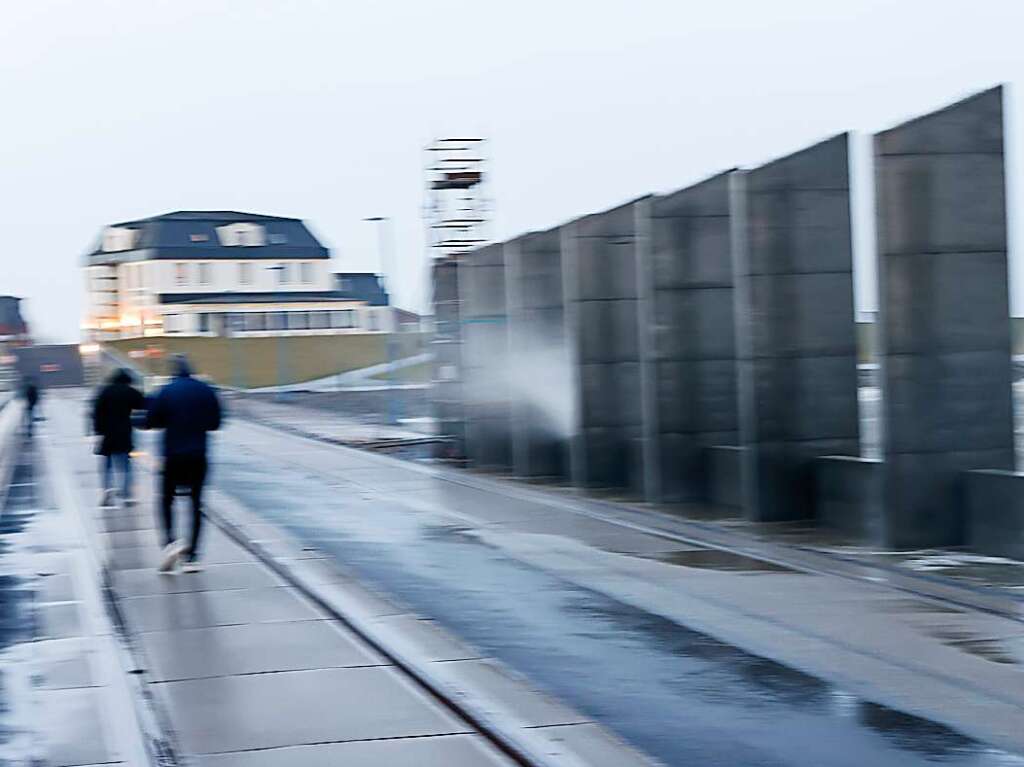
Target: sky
(121, 109)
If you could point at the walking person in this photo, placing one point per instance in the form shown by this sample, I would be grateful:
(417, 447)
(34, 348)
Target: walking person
(187, 410)
(30, 392)
(112, 422)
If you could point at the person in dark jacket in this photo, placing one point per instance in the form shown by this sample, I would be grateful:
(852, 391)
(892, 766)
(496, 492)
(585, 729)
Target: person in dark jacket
(30, 392)
(112, 421)
(187, 410)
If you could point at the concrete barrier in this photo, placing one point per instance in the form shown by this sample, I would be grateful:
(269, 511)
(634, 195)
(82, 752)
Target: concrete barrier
(994, 505)
(849, 496)
(724, 469)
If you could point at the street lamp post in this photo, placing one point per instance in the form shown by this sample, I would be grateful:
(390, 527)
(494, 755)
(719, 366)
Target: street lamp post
(279, 344)
(384, 258)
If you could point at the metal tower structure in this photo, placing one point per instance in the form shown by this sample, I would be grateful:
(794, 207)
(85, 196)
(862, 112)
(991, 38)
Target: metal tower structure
(457, 208)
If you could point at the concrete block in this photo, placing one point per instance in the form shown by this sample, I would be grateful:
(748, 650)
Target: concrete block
(607, 268)
(616, 222)
(942, 203)
(946, 302)
(686, 464)
(609, 394)
(802, 314)
(924, 495)
(691, 251)
(694, 324)
(696, 395)
(483, 291)
(949, 402)
(614, 458)
(608, 331)
(725, 484)
(973, 125)
(994, 507)
(850, 497)
(706, 198)
(795, 231)
(821, 166)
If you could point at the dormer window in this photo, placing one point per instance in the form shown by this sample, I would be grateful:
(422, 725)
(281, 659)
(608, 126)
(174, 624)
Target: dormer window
(117, 238)
(199, 237)
(241, 235)
(278, 239)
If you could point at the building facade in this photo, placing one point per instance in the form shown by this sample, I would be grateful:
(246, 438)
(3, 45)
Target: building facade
(217, 273)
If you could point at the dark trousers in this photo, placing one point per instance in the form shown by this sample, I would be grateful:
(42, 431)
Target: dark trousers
(184, 471)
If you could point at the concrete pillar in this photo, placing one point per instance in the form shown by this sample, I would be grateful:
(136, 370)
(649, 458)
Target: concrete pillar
(601, 267)
(796, 338)
(485, 362)
(541, 381)
(944, 313)
(692, 354)
(446, 346)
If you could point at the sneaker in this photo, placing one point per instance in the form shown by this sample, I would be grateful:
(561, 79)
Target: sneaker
(192, 566)
(107, 498)
(171, 553)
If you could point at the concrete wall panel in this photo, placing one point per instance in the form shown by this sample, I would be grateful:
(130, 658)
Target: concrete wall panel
(944, 315)
(797, 338)
(692, 334)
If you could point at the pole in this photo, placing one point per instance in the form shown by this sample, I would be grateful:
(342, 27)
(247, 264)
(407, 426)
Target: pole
(385, 232)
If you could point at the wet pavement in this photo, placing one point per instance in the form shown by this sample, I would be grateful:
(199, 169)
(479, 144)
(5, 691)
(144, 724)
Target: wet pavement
(677, 692)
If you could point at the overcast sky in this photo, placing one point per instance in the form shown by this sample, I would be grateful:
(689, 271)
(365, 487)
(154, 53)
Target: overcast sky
(124, 109)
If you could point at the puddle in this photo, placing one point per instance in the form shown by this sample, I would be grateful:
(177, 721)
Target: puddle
(713, 559)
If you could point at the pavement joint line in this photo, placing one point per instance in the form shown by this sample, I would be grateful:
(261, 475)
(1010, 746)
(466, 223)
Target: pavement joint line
(749, 547)
(153, 741)
(495, 726)
(267, 672)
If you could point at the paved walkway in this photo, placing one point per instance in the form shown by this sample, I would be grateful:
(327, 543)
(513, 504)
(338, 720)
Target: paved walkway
(246, 671)
(915, 655)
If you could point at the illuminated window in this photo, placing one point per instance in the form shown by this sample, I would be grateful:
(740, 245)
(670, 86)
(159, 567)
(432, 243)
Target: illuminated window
(180, 274)
(199, 237)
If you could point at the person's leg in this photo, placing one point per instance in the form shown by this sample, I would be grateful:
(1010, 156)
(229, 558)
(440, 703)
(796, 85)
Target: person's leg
(126, 475)
(197, 478)
(108, 469)
(168, 483)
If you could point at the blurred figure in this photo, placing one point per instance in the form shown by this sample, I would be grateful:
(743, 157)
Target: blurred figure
(186, 409)
(112, 421)
(30, 392)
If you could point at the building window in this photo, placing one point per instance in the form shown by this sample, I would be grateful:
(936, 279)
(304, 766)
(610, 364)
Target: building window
(204, 323)
(255, 321)
(199, 237)
(342, 319)
(278, 239)
(275, 321)
(204, 273)
(245, 273)
(371, 321)
(297, 321)
(306, 272)
(282, 274)
(319, 320)
(180, 275)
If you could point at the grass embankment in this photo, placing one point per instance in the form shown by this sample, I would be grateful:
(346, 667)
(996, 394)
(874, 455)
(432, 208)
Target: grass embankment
(267, 361)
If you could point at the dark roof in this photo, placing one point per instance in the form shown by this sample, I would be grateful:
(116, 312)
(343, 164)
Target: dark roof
(361, 286)
(172, 236)
(282, 297)
(11, 321)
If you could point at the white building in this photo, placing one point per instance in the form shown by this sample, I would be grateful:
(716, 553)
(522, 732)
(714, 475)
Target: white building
(209, 273)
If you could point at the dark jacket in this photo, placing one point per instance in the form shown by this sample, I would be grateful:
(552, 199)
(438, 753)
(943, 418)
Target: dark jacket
(186, 409)
(112, 415)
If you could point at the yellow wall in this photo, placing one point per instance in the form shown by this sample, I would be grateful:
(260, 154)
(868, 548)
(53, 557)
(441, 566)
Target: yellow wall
(253, 362)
